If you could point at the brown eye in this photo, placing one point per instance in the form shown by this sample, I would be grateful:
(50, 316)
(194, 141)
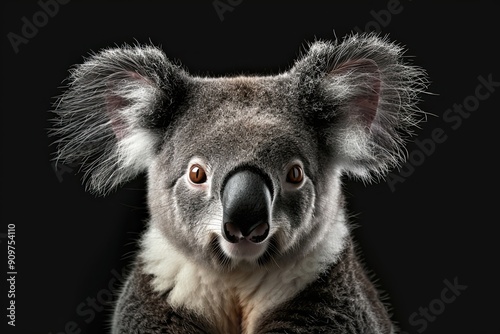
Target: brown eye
(295, 175)
(197, 174)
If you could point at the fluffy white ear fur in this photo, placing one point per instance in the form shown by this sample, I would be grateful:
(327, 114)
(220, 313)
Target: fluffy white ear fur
(369, 96)
(136, 144)
(104, 117)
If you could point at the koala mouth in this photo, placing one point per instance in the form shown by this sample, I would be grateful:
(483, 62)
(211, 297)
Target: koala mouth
(244, 249)
(228, 255)
(241, 244)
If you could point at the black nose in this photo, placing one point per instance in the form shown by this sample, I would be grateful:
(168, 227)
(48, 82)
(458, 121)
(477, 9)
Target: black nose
(246, 203)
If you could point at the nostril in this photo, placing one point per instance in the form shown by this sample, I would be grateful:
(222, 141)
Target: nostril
(259, 233)
(232, 233)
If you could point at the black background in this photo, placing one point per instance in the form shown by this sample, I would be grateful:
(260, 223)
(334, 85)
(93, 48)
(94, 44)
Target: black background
(437, 225)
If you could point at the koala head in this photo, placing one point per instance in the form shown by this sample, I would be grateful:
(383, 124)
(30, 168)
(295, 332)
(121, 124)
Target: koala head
(241, 170)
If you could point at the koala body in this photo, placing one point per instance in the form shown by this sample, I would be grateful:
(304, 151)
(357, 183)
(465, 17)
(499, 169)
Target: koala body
(248, 232)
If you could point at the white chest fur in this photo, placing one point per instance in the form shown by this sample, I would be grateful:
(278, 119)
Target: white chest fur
(233, 301)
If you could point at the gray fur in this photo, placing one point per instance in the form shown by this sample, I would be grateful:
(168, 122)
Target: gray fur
(344, 107)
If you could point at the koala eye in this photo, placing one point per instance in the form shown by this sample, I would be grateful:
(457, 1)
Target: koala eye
(295, 174)
(197, 174)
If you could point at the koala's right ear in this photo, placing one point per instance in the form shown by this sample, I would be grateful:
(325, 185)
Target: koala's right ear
(362, 94)
(110, 118)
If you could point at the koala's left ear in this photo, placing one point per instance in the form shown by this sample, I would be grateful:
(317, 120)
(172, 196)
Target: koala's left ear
(362, 96)
(114, 112)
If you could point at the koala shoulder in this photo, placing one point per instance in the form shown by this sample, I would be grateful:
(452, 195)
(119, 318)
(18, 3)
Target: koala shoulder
(341, 300)
(142, 310)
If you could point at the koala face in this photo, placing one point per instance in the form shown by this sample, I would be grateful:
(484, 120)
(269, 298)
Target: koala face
(242, 171)
(241, 134)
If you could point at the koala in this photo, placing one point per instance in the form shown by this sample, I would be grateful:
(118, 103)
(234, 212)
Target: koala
(248, 230)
